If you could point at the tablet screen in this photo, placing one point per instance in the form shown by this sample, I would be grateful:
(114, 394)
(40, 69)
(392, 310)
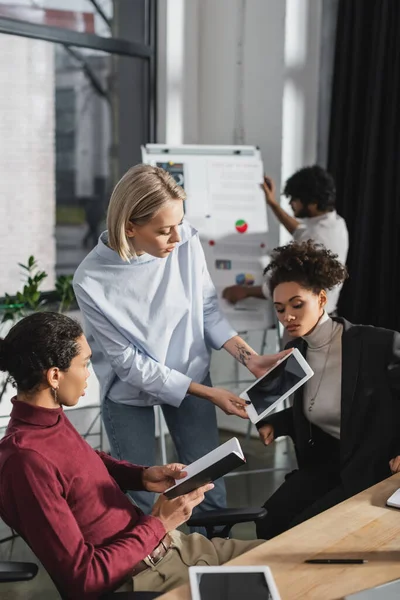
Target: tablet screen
(275, 384)
(233, 586)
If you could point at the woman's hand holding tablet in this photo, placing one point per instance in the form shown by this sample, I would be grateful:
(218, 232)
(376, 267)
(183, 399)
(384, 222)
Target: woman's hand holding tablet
(265, 394)
(260, 365)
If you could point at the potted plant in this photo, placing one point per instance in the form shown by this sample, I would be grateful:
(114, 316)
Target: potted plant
(32, 299)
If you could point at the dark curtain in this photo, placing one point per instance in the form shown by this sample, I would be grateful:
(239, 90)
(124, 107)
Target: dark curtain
(364, 156)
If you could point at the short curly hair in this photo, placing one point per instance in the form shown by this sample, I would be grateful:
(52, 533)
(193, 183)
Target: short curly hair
(312, 185)
(37, 343)
(307, 263)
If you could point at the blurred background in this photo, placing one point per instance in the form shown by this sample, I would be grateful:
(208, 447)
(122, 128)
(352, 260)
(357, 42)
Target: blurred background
(85, 83)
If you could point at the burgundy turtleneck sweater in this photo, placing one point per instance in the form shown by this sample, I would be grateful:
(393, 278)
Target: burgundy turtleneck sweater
(66, 500)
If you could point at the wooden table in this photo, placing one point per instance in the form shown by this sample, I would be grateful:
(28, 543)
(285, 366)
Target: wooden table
(361, 527)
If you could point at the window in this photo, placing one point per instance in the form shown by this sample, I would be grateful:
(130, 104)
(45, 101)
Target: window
(83, 16)
(73, 120)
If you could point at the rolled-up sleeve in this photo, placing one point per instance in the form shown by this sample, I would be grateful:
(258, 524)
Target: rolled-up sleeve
(217, 329)
(128, 362)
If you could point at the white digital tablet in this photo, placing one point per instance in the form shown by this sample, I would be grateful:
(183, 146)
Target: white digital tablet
(394, 500)
(387, 591)
(276, 385)
(232, 583)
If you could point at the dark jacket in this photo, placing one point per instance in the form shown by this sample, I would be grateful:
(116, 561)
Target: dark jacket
(370, 411)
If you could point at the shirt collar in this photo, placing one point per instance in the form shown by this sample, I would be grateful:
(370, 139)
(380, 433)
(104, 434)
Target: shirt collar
(102, 248)
(35, 415)
(108, 253)
(330, 215)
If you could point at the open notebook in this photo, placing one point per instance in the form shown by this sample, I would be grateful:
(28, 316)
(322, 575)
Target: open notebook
(213, 465)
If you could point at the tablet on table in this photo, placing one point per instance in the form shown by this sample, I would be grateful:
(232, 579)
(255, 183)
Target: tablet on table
(232, 583)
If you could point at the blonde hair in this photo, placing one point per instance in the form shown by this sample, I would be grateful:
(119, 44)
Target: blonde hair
(137, 198)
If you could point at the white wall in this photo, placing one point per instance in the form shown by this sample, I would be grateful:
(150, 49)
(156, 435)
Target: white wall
(302, 50)
(27, 186)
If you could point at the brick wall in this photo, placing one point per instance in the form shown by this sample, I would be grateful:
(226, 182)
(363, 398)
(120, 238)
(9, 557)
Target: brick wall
(27, 158)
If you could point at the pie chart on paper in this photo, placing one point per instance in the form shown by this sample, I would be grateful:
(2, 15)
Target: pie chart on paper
(241, 226)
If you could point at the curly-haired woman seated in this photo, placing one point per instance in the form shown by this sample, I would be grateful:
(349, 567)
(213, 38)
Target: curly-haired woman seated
(345, 421)
(67, 500)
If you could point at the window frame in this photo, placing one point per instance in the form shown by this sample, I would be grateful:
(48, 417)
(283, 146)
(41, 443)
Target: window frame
(145, 51)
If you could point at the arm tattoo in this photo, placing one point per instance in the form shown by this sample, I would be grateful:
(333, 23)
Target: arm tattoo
(243, 355)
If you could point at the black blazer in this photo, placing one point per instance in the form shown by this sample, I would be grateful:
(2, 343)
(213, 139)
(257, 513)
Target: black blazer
(370, 411)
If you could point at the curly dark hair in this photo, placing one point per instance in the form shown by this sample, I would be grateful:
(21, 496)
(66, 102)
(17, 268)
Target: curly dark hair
(312, 185)
(37, 343)
(307, 263)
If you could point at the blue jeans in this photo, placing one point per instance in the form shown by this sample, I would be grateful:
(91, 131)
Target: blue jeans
(193, 428)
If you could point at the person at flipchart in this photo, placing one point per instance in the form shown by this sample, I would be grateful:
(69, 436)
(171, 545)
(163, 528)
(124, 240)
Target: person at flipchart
(151, 316)
(312, 194)
(345, 421)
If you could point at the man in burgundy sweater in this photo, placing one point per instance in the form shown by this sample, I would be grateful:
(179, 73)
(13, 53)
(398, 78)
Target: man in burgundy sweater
(67, 500)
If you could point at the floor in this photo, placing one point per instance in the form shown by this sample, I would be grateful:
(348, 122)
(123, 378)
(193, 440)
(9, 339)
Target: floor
(247, 487)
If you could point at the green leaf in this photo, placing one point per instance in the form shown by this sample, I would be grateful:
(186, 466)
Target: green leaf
(40, 276)
(23, 266)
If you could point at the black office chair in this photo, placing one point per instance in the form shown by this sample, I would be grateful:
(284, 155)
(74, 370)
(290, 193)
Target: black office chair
(17, 571)
(213, 520)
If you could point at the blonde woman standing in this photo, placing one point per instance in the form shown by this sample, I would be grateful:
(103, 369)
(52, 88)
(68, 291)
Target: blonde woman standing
(151, 317)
